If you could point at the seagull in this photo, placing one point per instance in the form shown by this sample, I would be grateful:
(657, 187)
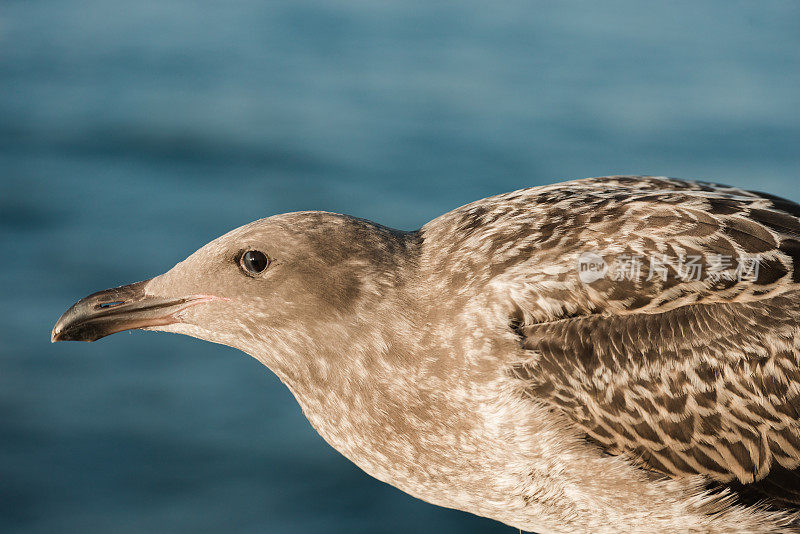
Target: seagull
(614, 354)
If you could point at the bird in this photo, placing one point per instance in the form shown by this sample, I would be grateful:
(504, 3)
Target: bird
(603, 355)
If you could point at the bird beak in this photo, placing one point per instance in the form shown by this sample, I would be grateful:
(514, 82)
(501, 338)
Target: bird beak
(121, 308)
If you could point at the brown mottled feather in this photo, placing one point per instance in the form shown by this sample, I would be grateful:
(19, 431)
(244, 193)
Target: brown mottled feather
(682, 377)
(704, 388)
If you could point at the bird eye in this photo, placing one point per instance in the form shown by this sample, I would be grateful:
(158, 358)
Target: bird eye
(254, 261)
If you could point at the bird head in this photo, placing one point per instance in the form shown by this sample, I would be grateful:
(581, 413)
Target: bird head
(273, 288)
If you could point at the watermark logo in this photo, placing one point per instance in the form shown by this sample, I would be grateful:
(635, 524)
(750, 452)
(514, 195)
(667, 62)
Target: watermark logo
(712, 268)
(591, 267)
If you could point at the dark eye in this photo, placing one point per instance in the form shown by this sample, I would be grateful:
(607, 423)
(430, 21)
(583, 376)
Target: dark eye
(254, 261)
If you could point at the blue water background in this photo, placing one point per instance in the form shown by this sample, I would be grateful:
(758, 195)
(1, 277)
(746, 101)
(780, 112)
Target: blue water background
(131, 133)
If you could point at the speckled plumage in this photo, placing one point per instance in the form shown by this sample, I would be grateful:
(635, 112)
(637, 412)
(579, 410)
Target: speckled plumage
(467, 364)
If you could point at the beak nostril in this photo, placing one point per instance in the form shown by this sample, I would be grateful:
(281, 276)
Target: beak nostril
(104, 305)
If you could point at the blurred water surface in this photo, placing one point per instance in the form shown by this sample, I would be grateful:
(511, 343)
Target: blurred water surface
(131, 133)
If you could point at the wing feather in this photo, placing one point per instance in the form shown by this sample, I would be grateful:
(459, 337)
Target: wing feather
(684, 377)
(704, 388)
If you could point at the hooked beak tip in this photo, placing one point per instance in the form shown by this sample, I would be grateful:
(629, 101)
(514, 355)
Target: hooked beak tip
(121, 308)
(106, 312)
